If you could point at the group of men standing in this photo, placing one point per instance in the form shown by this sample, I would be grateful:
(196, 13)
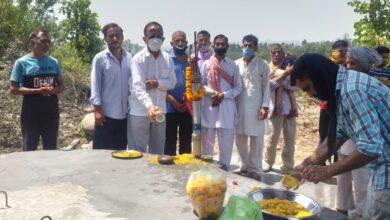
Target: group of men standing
(129, 92)
(234, 107)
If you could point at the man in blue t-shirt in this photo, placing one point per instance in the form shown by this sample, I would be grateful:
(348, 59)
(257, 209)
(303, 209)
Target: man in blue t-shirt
(38, 78)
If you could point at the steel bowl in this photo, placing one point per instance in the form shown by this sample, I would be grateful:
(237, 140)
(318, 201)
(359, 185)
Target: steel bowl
(269, 193)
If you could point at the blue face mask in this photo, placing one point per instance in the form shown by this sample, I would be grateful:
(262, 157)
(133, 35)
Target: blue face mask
(247, 52)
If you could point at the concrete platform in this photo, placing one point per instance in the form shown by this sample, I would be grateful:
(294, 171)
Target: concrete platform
(90, 184)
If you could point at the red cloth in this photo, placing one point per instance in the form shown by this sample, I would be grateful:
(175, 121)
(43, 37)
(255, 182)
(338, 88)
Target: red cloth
(323, 105)
(215, 71)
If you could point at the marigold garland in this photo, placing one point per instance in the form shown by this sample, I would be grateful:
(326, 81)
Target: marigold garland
(191, 95)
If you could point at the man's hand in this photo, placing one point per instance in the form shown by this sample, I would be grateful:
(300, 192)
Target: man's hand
(152, 112)
(180, 107)
(216, 99)
(289, 69)
(298, 170)
(316, 173)
(46, 89)
(263, 113)
(99, 116)
(151, 84)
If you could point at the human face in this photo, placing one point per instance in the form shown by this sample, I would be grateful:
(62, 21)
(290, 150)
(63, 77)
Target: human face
(247, 44)
(307, 86)
(385, 57)
(41, 44)
(277, 55)
(153, 31)
(179, 40)
(114, 38)
(203, 40)
(353, 64)
(220, 43)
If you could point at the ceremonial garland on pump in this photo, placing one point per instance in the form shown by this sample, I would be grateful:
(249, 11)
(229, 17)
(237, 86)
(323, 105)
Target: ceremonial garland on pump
(190, 94)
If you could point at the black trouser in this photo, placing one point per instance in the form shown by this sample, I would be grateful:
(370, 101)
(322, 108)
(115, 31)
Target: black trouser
(183, 121)
(112, 135)
(39, 117)
(324, 124)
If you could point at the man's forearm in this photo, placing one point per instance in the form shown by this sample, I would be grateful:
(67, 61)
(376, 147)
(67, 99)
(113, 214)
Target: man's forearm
(321, 153)
(353, 161)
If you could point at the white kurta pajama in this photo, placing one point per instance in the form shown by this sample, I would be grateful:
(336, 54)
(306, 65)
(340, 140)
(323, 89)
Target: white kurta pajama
(222, 118)
(255, 95)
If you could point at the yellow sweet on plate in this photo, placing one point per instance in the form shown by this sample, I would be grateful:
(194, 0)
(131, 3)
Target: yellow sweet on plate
(129, 154)
(289, 181)
(284, 207)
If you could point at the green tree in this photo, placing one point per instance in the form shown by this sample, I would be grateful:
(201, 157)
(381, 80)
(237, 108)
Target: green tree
(373, 29)
(18, 18)
(80, 29)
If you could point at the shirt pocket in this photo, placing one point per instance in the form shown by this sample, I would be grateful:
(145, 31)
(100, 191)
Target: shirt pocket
(164, 73)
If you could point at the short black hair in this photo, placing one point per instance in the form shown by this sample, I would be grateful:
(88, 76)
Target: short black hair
(339, 44)
(151, 24)
(204, 32)
(382, 49)
(251, 38)
(221, 36)
(34, 34)
(111, 25)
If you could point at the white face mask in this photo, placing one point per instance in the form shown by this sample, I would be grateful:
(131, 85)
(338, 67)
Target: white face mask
(204, 48)
(154, 44)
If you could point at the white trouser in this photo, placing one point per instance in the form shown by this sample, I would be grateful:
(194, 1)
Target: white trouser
(251, 160)
(345, 194)
(144, 133)
(225, 143)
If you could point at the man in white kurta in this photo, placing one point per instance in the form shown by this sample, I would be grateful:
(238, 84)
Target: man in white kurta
(252, 106)
(153, 74)
(219, 112)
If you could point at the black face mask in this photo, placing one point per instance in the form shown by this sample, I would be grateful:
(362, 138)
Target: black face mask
(220, 51)
(179, 51)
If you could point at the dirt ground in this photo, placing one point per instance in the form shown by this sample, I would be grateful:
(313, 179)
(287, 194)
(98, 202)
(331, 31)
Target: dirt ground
(307, 130)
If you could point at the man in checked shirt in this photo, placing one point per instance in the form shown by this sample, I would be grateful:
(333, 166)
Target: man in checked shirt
(359, 110)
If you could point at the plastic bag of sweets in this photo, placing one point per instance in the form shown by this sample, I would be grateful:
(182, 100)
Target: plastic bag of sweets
(207, 189)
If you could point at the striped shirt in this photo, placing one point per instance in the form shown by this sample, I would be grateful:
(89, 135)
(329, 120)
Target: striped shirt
(363, 115)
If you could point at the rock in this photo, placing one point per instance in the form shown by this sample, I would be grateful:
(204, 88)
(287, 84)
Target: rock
(86, 146)
(88, 123)
(72, 145)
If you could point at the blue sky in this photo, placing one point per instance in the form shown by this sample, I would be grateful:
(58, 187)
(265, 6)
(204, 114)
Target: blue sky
(269, 20)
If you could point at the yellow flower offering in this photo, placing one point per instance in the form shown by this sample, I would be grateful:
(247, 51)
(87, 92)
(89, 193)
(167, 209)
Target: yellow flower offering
(206, 190)
(290, 181)
(129, 154)
(190, 94)
(284, 207)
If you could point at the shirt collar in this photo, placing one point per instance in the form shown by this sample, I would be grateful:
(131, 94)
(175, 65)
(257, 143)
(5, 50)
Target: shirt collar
(108, 52)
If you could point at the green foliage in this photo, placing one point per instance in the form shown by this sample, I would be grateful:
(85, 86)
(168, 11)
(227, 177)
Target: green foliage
(323, 48)
(374, 28)
(19, 18)
(130, 47)
(80, 28)
(76, 74)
